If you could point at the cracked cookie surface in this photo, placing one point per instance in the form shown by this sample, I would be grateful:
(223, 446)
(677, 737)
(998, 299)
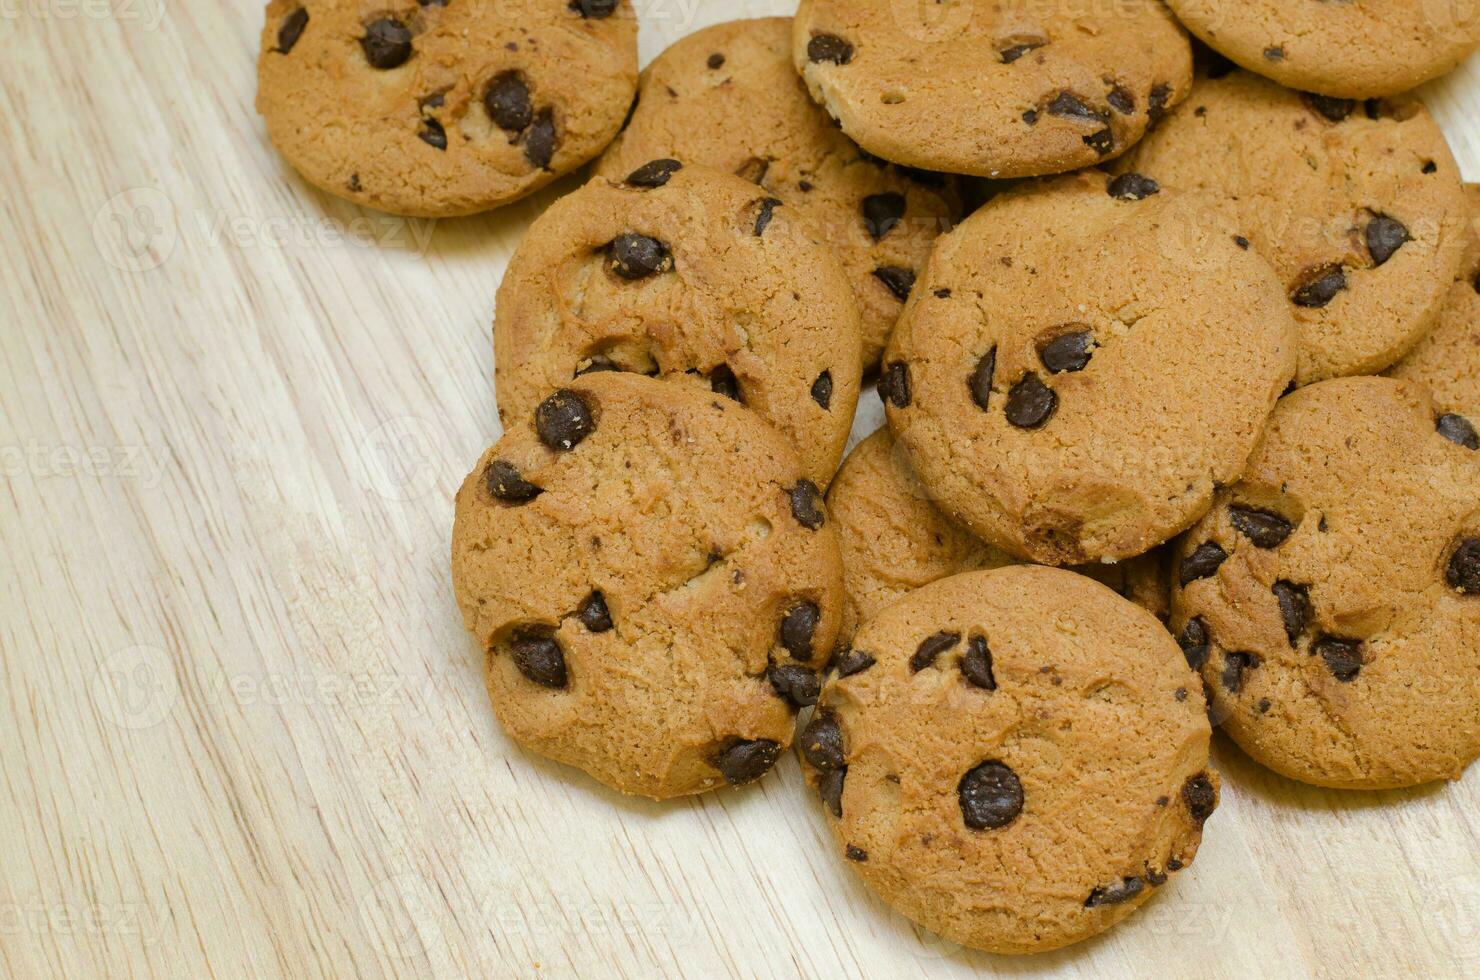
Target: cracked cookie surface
(1015, 758)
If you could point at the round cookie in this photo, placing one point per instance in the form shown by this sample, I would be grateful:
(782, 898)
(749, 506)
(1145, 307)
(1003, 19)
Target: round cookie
(693, 275)
(728, 97)
(997, 90)
(1358, 207)
(654, 581)
(438, 109)
(1448, 359)
(1084, 360)
(1332, 596)
(1015, 759)
(1351, 50)
(895, 540)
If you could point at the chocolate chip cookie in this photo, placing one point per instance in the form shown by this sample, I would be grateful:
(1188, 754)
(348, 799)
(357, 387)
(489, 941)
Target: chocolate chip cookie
(1331, 597)
(654, 581)
(1015, 759)
(1448, 359)
(895, 539)
(444, 107)
(1083, 360)
(996, 90)
(694, 275)
(1349, 50)
(1358, 206)
(729, 98)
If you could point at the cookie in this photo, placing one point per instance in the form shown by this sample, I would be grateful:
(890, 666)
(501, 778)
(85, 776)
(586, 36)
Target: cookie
(1349, 50)
(895, 540)
(729, 98)
(1083, 361)
(438, 109)
(1448, 359)
(996, 90)
(654, 581)
(1331, 597)
(1015, 759)
(693, 275)
(1359, 207)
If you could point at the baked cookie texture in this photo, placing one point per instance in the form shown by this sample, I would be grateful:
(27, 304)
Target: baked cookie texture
(693, 275)
(1331, 597)
(1447, 359)
(1007, 89)
(1351, 50)
(728, 97)
(654, 581)
(441, 109)
(1359, 207)
(895, 539)
(941, 749)
(1083, 361)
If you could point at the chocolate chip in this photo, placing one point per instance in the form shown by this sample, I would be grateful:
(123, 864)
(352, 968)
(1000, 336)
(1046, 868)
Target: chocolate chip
(822, 390)
(563, 420)
(1241, 242)
(855, 853)
(991, 796)
(1333, 109)
(1274, 54)
(796, 684)
(1173, 864)
(1031, 117)
(1320, 287)
(540, 140)
(1263, 706)
(507, 102)
(593, 614)
(387, 43)
(763, 217)
(806, 505)
(1102, 141)
(881, 212)
(1194, 641)
(1265, 528)
(942, 294)
(1457, 429)
(797, 627)
(1295, 607)
(539, 657)
(1235, 665)
(291, 30)
(980, 382)
(1200, 797)
(830, 790)
(1030, 403)
(354, 183)
(829, 47)
(505, 483)
(1066, 352)
(1132, 187)
(1384, 237)
(1343, 657)
(433, 134)
(976, 664)
(1430, 167)
(822, 742)
(1202, 563)
(897, 279)
(1115, 893)
(594, 9)
(1013, 52)
(747, 760)
(853, 662)
(1156, 102)
(1155, 878)
(722, 381)
(930, 648)
(894, 384)
(654, 173)
(716, 61)
(1068, 106)
(635, 256)
(1463, 572)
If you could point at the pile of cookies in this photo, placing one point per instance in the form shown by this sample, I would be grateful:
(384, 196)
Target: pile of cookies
(1181, 430)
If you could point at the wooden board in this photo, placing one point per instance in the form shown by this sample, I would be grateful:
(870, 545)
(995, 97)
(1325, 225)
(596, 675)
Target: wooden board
(243, 731)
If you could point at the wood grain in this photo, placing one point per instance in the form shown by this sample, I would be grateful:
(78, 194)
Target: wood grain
(243, 730)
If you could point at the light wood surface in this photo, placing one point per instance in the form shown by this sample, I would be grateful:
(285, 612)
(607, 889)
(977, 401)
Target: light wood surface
(243, 732)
